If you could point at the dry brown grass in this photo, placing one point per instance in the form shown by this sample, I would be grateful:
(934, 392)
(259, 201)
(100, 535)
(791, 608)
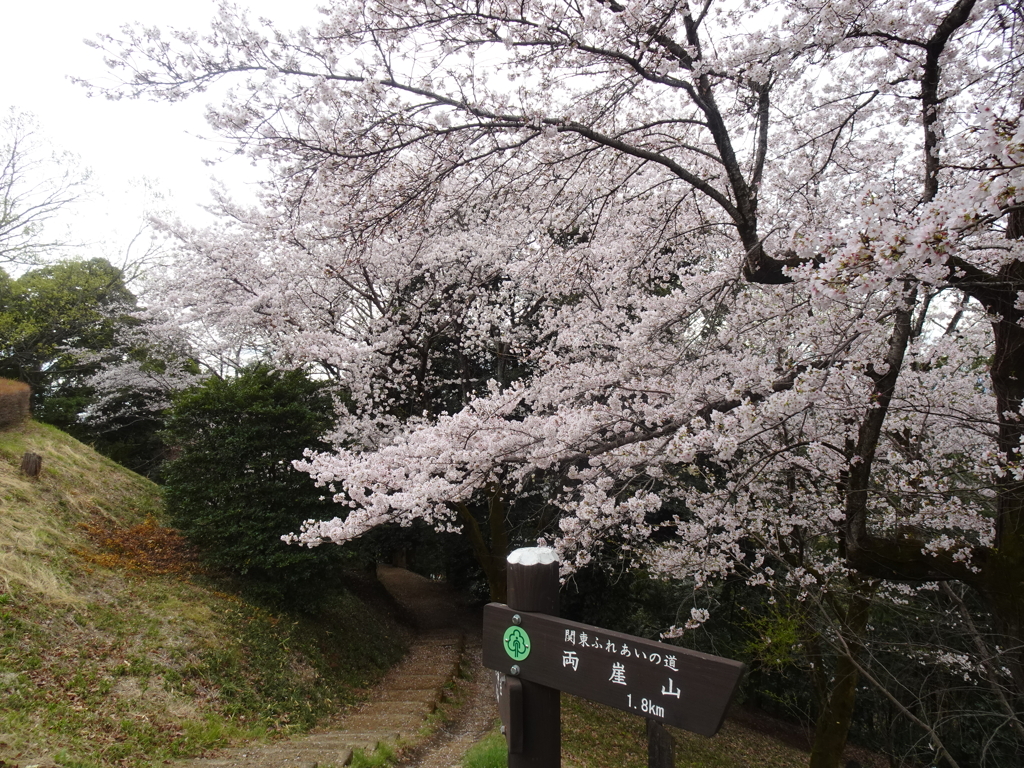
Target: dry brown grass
(14, 402)
(147, 546)
(40, 527)
(9, 386)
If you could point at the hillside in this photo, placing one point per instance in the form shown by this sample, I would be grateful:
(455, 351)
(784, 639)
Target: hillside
(115, 647)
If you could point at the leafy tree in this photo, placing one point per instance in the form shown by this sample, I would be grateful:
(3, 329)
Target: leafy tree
(231, 487)
(56, 323)
(799, 283)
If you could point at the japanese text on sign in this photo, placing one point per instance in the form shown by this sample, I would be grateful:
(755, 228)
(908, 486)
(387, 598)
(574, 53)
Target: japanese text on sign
(663, 682)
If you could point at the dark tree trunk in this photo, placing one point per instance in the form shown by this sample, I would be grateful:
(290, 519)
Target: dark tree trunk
(490, 551)
(1003, 573)
(833, 724)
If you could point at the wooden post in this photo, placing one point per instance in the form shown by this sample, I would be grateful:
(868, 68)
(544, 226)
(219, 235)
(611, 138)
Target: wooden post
(660, 748)
(32, 464)
(533, 586)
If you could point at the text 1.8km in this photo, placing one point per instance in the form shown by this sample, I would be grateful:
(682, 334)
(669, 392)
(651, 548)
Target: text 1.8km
(646, 706)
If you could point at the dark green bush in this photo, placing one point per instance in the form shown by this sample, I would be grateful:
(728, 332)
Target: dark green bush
(232, 490)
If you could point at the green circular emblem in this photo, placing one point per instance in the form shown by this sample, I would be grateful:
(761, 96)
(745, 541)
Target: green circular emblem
(517, 643)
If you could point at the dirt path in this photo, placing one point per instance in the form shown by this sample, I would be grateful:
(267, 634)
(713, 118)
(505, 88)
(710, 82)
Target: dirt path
(474, 719)
(476, 710)
(446, 638)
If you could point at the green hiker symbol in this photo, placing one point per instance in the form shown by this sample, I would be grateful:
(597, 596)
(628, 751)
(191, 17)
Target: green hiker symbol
(517, 643)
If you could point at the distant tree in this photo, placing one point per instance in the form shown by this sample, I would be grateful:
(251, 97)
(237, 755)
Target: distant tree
(232, 488)
(56, 323)
(36, 183)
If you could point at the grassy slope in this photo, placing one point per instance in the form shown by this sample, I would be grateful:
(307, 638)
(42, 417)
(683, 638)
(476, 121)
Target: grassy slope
(596, 736)
(115, 650)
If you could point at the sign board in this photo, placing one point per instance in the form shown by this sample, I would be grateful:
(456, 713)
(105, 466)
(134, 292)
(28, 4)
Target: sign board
(680, 687)
(509, 693)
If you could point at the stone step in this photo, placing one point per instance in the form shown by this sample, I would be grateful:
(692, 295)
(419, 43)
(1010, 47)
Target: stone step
(439, 635)
(360, 737)
(424, 695)
(433, 664)
(287, 757)
(326, 750)
(335, 749)
(263, 760)
(418, 676)
(453, 642)
(343, 745)
(412, 682)
(410, 708)
(248, 760)
(402, 723)
(445, 645)
(430, 663)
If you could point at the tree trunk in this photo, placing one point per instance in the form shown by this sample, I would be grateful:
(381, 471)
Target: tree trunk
(31, 464)
(1003, 579)
(833, 724)
(490, 553)
(498, 583)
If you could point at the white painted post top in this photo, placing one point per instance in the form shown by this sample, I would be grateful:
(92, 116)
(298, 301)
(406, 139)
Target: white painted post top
(533, 556)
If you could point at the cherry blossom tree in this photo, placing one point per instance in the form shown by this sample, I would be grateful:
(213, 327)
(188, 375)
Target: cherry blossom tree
(732, 286)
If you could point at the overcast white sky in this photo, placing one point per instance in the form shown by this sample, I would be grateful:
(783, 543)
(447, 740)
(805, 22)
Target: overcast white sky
(123, 142)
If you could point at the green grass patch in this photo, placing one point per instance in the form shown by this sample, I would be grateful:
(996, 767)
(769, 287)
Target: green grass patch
(490, 752)
(380, 757)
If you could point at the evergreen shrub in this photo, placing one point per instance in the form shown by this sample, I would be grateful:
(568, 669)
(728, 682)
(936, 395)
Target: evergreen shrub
(232, 490)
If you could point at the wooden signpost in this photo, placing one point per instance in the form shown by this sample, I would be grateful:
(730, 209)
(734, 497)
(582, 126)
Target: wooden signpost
(531, 648)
